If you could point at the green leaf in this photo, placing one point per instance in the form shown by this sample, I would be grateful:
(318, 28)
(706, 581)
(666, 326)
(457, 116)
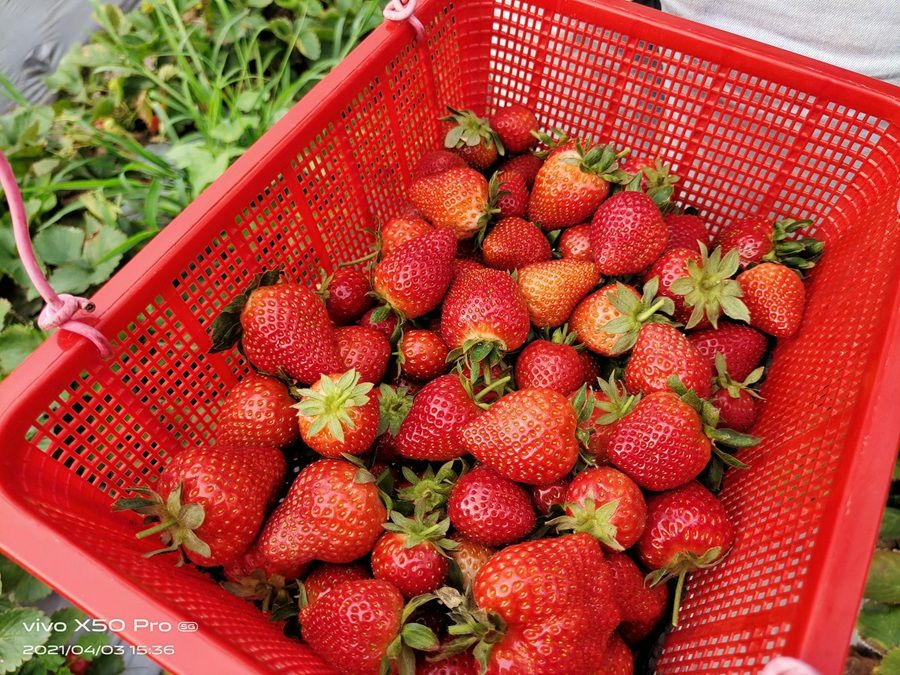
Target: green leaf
(883, 582)
(71, 278)
(879, 625)
(59, 244)
(107, 664)
(98, 253)
(19, 586)
(890, 525)
(890, 664)
(896, 473)
(5, 308)
(68, 616)
(309, 45)
(92, 642)
(19, 629)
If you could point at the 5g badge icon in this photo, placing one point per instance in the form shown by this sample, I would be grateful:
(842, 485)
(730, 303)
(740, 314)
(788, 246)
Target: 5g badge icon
(188, 627)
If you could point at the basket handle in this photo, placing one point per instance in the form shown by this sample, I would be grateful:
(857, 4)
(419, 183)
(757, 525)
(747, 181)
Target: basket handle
(60, 310)
(398, 10)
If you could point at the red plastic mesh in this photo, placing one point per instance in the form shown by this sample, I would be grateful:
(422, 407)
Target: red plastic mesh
(743, 140)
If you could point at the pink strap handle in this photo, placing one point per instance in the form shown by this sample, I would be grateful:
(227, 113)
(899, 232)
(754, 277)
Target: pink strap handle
(398, 10)
(60, 310)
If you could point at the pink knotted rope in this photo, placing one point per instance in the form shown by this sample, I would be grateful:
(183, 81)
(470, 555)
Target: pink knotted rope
(397, 10)
(60, 310)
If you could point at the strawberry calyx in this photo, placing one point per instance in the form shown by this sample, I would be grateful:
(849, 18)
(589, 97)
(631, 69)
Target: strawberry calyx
(734, 388)
(272, 592)
(479, 354)
(563, 336)
(393, 407)
(710, 289)
(798, 253)
(491, 209)
(421, 529)
(329, 405)
(470, 130)
(226, 329)
(551, 141)
(682, 564)
(594, 519)
(174, 521)
(382, 312)
(620, 402)
(472, 627)
(658, 183)
(486, 385)
(429, 492)
(602, 161)
(636, 313)
(411, 638)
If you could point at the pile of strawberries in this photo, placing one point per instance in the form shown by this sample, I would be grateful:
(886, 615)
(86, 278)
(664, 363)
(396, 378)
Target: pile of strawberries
(512, 416)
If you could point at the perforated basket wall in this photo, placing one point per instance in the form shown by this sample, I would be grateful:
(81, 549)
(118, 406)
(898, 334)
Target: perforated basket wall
(751, 129)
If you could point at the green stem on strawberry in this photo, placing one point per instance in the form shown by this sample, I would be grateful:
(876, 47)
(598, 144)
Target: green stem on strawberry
(357, 261)
(595, 520)
(651, 310)
(493, 386)
(159, 527)
(679, 589)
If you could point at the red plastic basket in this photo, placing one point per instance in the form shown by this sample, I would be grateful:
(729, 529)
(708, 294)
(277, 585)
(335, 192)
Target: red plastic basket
(751, 129)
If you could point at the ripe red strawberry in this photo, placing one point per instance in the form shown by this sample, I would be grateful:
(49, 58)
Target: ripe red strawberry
(685, 231)
(627, 234)
(741, 346)
(196, 497)
(257, 412)
(735, 400)
(385, 325)
(617, 658)
(366, 350)
(346, 294)
(687, 529)
(436, 161)
(411, 554)
(422, 354)
(514, 243)
(608, 402)
(547, 496)
(332, 513)
(552, 289)
(671, 266)
(526, 436)
(463, 265)
(655, 180)
(606, 504)
(399, 230)
(514, 124)
(759, 239)
(415, 277)
(470, 556)
(707, 288)
(359, 625)
(458, 199)
(490, 509)
(433, 427)
(513, 195)
(590, 365)
(639, 604)
(575, 242)
(548, 365)
(661, 443)
(571, 183)
(462, 663)
(327, 576)
(283, 328)
(472, 138)
(775, 298)
(660, 352)
(559, 612)
(337, 416)
(527, 165)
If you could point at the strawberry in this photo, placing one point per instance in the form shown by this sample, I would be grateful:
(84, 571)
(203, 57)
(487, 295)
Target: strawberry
(463, 265)
(433, 427)
(514, 124)
(610, 320)
(597, 414)
(429, 492)
(639, 604)
(337, 416)
(526, 165)
(660, 444)
(552, 289)
(257, 412)
(358, 627)
(422, 355)
(545, 497)
(575, 242)
(571, 183)
(671, 266)
(775, 298)
(210, 502)
(458, 199)
(606, 504)
(366, 350)
(470, 556)
(327, 576)
(741, 346)
(489, 509)
(514, 243)
(660, 352)
(589, 365)
(282, 327)
(331, 513)
(526, 436)
(627, 234)
(687, 529)
(472, 138)
(735, 399)
(707, 287)
(346, 294)
(386, 324)
(655, 179)
(411, 554)
(550, 365)
(436, 161)
(617, 658)
(759, 239)
(513, 195)
(686, 231)
(462, 663)
(558, 613)
(414, 278)
(399, 230)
